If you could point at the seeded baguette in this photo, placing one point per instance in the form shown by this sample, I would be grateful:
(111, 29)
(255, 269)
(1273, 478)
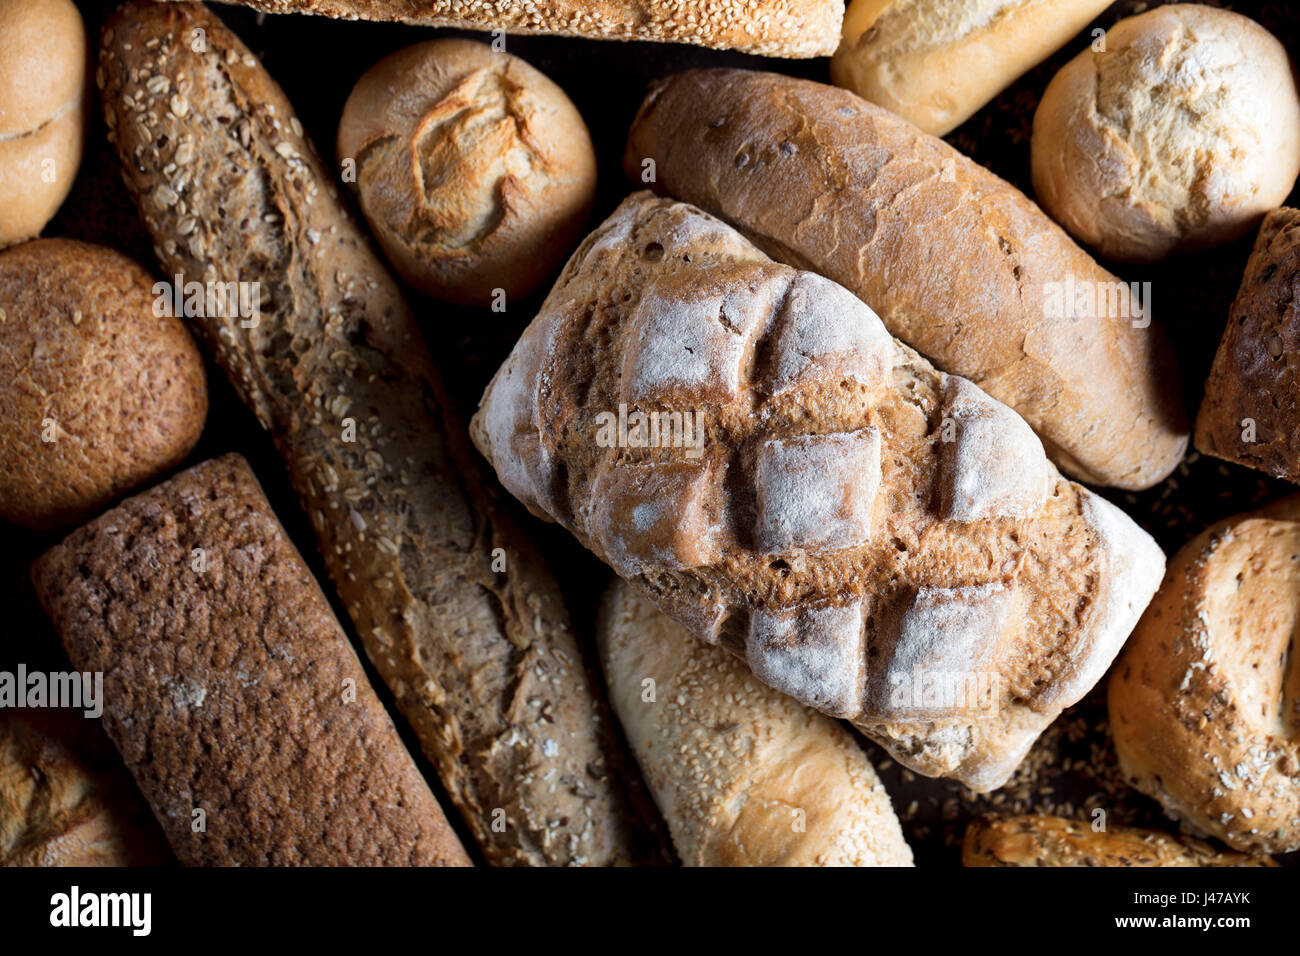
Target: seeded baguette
(788, 28)
(483, 663)
(231, 689)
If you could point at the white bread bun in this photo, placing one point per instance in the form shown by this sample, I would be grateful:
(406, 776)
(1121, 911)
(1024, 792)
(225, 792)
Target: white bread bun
(936, 62)
(43, 96)
(1181, 135)
(744, 775)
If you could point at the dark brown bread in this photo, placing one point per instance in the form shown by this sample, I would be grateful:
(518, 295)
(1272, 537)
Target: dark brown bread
(461, 618)
(231, 689)
(1251, 411)
(1038, 840)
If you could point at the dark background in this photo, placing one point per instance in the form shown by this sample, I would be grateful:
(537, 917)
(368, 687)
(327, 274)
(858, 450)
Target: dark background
(317, 61)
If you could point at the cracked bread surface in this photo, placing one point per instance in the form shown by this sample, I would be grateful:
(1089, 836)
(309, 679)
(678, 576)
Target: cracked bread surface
(848, 524)
(230, 687)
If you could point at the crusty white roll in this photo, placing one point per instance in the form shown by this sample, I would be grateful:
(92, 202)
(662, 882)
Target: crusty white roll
(1181, 134)
(936, 62)
(744, 775)
(1205, 701)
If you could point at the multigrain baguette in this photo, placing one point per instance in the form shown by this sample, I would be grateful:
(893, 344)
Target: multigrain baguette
(744, 775)
(481, 660)
(230, 689)
(960, 265)
(789, 28)
(877, 539)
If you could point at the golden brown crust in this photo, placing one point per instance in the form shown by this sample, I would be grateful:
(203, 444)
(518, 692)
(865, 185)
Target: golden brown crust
(459, 614)
(873, 203)
(119, 392)
(1038, 840)
(1251, 411)
(1205, 700)
(474, 170)
(230, 688)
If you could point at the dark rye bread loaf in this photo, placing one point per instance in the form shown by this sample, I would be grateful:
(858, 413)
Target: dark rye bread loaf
(460, 616)
(230, 687)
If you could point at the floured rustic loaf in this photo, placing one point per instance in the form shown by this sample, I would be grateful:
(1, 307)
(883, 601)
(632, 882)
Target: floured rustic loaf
(879, 540)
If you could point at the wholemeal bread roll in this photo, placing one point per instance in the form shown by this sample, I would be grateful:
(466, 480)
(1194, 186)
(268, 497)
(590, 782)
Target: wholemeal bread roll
(457, 611)
(43, 96)
(790, 28)
(229, 687)
(1205, 701)
(1180, 134)
(59, 806)
(474, 170)
(958, 264)
(936, 62)
(1037, 840)
(879, 540)
(1251, 411)
(744, 775)
(98, 393)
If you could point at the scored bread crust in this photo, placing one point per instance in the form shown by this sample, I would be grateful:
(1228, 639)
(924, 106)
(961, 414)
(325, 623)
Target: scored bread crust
(854, 519)
(959, 264)
(1040, 840)
(231, 689)
(786, 28)
(481, 660)
(744, 775)
(1205, 701)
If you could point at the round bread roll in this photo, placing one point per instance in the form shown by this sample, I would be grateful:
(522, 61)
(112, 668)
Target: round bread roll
(1181, 135)
(43, 96)
(474, 170)
(97, 394)
(1205, 701)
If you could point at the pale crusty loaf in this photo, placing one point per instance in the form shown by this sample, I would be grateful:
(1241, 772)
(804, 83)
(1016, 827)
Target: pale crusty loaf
(744, 775)
(229, 687)
(958, 264)
(935, 62)
(1037, 840)
(1205, 700)
(789, 28)
(1251, 411)
(848, 519)
(481, 659)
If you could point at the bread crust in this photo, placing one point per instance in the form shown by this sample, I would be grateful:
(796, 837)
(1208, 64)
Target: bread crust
(883, 209)
(231, 689)
(458, 613)
(1205, 700)
(849, 521)
(788, 28)
(1039, 840)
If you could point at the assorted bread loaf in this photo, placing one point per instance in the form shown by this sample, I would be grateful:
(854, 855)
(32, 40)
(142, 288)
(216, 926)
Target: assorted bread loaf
(936, 62)
(100, 392)
(1180, 131)
(456, 610)
(229, 687)
(821, 179)
(1205, 700)
(811, 494)
(474, 171)
(744, 775)
(1251, 410)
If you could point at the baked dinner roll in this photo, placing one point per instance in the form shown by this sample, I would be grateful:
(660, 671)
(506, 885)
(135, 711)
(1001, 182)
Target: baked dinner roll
(936, 62)
(474, 170)
(744, 775)
(1180, 135)
(1040, 840)
(1205, 700)
(98, 394)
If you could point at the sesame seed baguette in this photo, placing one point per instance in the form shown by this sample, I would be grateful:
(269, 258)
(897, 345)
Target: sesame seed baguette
(482, 663)
(785, 28)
